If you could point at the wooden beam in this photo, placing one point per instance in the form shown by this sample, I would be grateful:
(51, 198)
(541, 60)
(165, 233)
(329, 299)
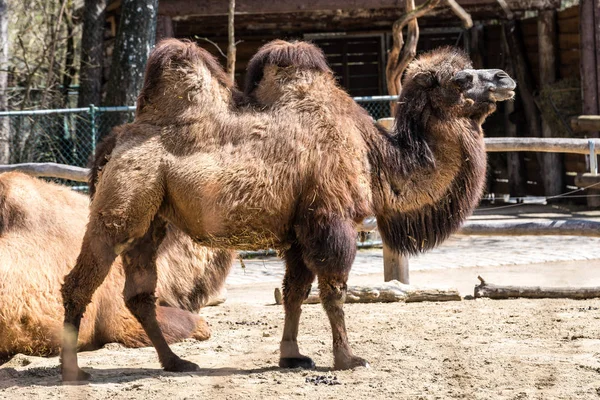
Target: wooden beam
(552, 164)
(558, 145)
(164, 27)
(49, 170)
(586, 123)
(183, 8)
(587, 179)
(589, 54)
(571, 227)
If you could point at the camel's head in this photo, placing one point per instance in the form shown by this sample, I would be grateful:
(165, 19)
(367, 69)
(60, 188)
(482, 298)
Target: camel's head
(281, 67)
(180, 74)
(445, 79)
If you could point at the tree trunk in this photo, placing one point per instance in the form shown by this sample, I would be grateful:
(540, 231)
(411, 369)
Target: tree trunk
(92, 53)
(4, 121)
(552, 164)
(134, 41)
(231, 50)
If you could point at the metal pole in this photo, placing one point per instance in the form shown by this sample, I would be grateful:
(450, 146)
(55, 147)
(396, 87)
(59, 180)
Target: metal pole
(593, 158)
(92, 112)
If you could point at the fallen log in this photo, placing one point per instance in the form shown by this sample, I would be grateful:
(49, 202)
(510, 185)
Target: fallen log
(388, 292)
(49, 170)
(498, 292)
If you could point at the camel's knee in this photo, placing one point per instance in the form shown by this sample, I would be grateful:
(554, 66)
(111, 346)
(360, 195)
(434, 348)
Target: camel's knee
(92, 267)
(141, 305)
(332, 292)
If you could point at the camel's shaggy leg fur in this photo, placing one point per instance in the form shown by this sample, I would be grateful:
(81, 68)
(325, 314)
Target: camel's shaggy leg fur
(296, 286)
(139, 262)
(92, 267)
(329, 248)
(119, 214)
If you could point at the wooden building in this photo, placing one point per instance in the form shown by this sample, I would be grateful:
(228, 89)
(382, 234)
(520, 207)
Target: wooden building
(557, 43)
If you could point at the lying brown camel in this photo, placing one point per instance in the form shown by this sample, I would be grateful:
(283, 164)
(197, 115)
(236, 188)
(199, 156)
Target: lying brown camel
(41, 229)
(297, 177)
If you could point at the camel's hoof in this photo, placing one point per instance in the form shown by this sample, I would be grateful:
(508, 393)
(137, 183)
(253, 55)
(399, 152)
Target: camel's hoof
(351, 362)
(179, 365)
(75, 375)
(297, 362)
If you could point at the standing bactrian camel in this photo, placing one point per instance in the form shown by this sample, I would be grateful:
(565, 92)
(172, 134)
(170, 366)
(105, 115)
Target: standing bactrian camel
(297, 177)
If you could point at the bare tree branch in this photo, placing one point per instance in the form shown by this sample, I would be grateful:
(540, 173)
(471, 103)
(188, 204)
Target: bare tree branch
(460, 13)
(402, 53)
(214, 44)
(231, 50)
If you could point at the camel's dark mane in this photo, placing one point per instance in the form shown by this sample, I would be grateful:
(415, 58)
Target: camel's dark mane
(301, 55)
(171, 53)
(423, 229)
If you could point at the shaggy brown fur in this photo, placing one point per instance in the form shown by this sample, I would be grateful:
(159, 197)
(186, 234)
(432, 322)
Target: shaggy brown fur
(296, 176)
(41, 228)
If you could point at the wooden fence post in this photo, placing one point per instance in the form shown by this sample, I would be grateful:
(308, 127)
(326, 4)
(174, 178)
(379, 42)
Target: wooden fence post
(395, 266)
(552, 164)
(589, 29)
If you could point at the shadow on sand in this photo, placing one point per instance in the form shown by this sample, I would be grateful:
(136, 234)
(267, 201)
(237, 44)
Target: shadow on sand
(50, 376)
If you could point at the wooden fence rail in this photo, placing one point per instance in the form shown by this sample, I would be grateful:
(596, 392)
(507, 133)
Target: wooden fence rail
(546, 145)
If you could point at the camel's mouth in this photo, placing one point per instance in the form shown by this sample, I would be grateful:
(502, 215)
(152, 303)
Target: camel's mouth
(499, 94)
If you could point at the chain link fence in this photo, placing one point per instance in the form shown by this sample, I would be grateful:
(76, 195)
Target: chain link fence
(69, 136)
(66, 136)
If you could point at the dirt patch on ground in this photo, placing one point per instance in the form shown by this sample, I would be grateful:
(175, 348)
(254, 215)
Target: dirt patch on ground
(482, 349)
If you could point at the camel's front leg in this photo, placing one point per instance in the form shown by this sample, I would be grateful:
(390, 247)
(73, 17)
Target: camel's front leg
(140, 284)
(329, 248)
(93, 264)
(296, 286)
(127, 198)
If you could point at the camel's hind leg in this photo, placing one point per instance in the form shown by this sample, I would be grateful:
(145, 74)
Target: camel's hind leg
(329, 248)
(140, 284)
(296, 286)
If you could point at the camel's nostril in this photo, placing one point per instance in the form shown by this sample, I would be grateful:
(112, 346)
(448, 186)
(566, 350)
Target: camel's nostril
(501, 75)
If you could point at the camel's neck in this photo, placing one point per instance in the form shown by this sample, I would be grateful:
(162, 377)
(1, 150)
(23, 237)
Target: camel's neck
(429, 177)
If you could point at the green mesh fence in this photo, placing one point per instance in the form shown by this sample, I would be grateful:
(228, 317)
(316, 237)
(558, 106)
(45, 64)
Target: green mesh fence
(66, 136)
(69, 136)
(378, 106)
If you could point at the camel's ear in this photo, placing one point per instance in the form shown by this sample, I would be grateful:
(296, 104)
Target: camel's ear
(425, 79)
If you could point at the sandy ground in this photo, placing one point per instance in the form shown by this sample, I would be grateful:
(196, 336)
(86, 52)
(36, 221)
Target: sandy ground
(480, 349)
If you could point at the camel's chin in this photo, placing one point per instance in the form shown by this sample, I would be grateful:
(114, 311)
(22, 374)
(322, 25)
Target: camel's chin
(503, 95)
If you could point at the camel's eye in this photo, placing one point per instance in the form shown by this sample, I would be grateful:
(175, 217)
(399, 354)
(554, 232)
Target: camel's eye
(463, 79)
(425, 79)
